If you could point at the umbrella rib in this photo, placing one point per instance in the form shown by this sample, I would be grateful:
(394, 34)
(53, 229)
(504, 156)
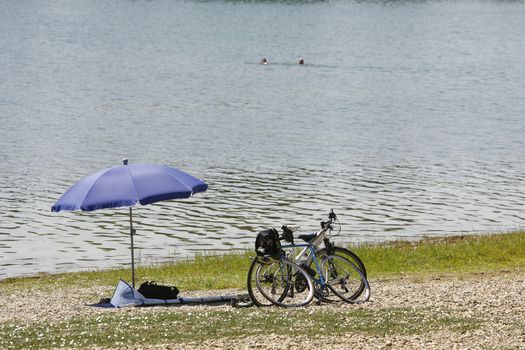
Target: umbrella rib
(189, 188)
(134, 186)
(90, 189)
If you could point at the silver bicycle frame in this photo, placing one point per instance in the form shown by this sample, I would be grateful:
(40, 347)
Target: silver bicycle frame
(316, 242)
(311, 246)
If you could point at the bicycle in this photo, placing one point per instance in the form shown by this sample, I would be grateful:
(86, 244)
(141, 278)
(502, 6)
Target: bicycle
(322, 236)
(333, 272)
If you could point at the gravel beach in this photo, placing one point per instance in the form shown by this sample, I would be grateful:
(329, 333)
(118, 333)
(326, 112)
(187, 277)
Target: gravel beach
(495, 302)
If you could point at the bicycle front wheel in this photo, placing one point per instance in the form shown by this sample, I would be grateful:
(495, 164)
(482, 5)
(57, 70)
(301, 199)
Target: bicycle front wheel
(345, 279)
(284, 283)
(347, 254)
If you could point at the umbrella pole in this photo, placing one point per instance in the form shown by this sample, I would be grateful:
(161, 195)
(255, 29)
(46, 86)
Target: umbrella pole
(131, 231)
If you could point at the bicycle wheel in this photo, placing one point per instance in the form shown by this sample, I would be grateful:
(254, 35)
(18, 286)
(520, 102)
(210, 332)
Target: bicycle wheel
(321, 291)
(255, 295)
(284, 283)
(354, 276)
(344, 278)
(347, 254)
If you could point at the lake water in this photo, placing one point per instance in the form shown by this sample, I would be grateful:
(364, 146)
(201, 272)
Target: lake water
(407, 118)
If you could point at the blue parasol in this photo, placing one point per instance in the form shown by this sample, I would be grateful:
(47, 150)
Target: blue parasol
(127, 185)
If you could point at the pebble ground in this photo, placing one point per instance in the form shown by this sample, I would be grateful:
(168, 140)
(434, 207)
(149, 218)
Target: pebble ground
(495, 300)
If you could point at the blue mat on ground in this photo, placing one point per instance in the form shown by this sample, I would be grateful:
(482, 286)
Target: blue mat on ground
(125, 296)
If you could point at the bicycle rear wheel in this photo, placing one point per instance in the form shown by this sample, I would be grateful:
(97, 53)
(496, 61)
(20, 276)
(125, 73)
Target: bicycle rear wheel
(345, 279)
(284, 283)
(255, 295)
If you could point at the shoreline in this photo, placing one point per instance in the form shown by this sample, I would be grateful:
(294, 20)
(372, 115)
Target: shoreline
(445, 239)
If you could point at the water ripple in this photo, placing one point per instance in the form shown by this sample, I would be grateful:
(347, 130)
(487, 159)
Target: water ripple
(401, 146)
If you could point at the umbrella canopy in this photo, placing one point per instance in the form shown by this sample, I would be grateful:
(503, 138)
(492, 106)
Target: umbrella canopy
(127, 185)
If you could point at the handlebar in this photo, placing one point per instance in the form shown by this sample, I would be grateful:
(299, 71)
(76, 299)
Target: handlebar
(331, 218)
(288, 231)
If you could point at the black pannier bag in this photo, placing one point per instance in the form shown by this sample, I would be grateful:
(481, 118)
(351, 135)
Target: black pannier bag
(157, 291)
(267, 243)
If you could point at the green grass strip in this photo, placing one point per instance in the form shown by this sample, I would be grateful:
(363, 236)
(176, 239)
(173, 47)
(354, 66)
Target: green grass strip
(462, 254)
(163, 327)
(459, 254)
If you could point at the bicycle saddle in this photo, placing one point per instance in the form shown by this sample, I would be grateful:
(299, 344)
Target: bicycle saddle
(307, 238)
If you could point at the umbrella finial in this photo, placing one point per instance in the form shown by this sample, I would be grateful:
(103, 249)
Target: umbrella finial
(125, 161)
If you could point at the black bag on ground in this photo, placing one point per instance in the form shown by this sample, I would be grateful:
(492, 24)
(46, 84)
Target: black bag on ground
(267, 243)
(157, 291)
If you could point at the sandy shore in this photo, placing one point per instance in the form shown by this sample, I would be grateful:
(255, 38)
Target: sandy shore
(495, 301)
